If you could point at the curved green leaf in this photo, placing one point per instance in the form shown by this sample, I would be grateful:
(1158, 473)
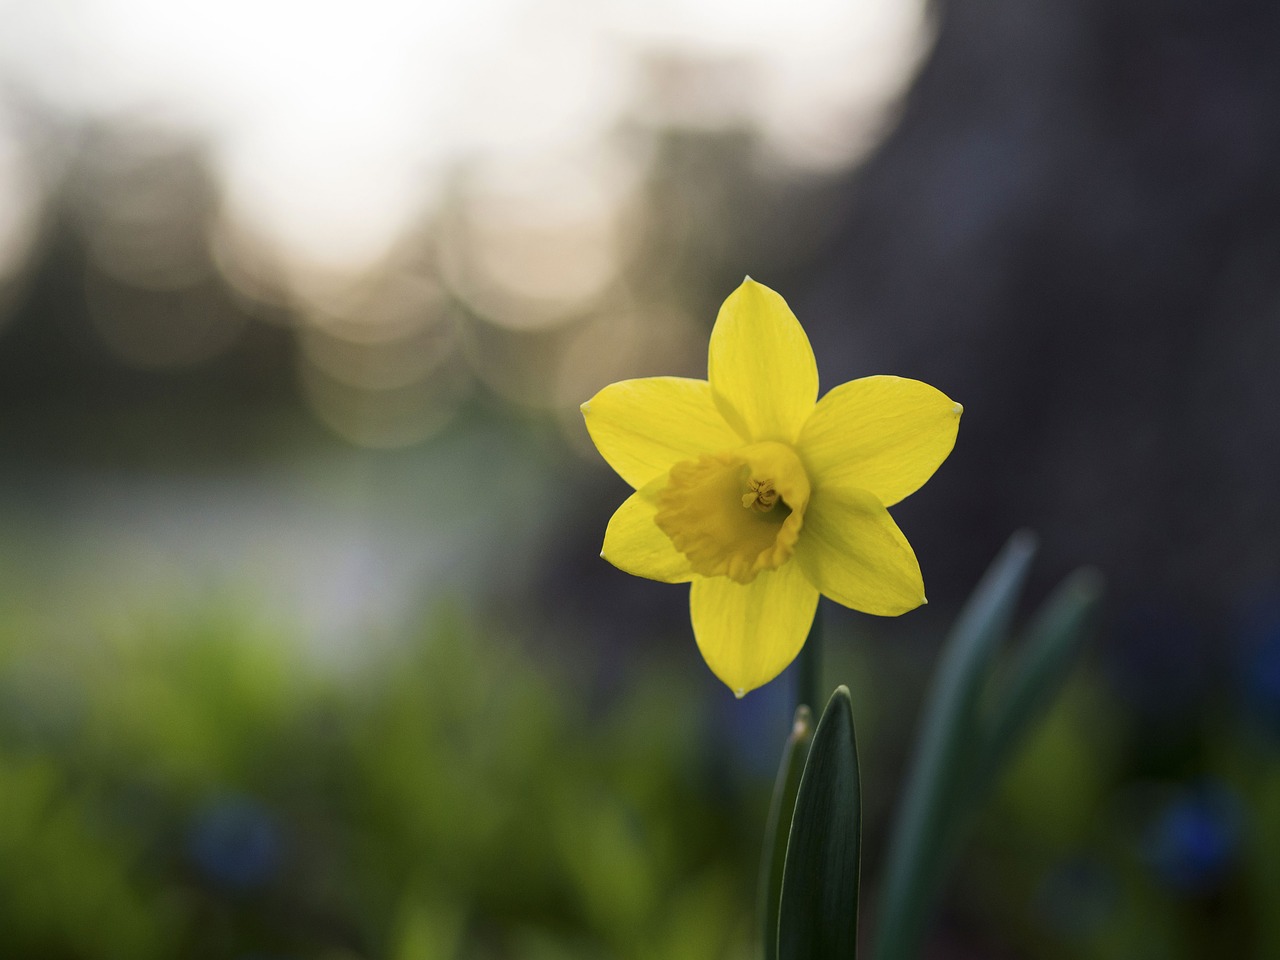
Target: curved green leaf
(1052, 642)
(778, 828)
(938, 784)
(818, 911)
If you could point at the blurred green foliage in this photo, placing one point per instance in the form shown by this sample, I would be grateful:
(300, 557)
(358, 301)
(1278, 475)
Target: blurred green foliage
(1113, 865)
(195, 783)
(199, 788)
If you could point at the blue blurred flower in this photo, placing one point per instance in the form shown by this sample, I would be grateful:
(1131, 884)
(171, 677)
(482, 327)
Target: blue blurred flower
(235, 843)
(1192, 843)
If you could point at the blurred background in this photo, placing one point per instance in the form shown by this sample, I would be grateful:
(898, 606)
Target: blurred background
(305, 646)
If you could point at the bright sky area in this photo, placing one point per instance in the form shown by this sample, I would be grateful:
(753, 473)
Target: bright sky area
(334, 125)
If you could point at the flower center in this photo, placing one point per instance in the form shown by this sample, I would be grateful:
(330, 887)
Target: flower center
(760, 495)
(736, 513)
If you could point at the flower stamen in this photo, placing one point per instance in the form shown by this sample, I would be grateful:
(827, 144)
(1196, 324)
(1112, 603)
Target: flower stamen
(701, 510)
(760, 495)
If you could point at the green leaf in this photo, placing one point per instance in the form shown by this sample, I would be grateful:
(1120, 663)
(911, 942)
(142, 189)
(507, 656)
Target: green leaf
(1052, 642)
(938, 783)
(778, 828)
(818, 912)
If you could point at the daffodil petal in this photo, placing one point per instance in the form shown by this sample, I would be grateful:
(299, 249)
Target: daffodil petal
(762, 371)
(853, 552)
(633, 542)
(644, 427)
(749, 633)
(885, 435)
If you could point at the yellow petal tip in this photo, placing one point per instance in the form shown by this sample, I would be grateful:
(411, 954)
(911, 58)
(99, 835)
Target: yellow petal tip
(956, 408)
(739, 693)
(586, 405)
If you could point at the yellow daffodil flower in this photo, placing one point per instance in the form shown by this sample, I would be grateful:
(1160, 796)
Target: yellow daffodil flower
(763, 495)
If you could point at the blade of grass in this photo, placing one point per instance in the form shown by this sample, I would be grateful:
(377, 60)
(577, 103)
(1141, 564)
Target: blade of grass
(1044, 660)
(778, 827)
(818, 910)
(937, 781)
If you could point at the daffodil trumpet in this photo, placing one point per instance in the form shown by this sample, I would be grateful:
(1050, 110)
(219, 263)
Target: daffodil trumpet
(762, 496)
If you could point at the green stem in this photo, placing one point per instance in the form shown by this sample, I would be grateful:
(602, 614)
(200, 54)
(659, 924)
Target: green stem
(809, 667)
(778, 829)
